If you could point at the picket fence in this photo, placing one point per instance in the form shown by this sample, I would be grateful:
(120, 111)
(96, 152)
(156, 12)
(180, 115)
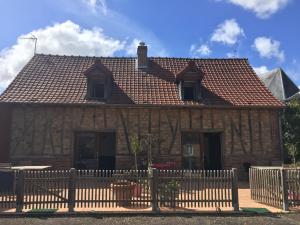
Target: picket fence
(89, 189)
(278, 187)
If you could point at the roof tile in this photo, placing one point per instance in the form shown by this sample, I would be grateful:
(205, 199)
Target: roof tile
(61, 79)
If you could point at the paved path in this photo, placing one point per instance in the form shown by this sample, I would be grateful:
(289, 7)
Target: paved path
(245, 200)
(289, 219)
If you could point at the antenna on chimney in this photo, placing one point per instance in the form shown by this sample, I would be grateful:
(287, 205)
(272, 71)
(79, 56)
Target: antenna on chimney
(236, 50)
(34, 38)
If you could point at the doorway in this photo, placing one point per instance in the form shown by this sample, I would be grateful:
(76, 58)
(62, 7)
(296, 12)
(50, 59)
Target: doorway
(212, 151)
(191, 150)
(95, 150)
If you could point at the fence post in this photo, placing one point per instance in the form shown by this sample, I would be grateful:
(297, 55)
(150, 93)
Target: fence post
(251, 183)
(20, 191)
(235, 191)
(285, 203)
(154, 190)
(71, 190)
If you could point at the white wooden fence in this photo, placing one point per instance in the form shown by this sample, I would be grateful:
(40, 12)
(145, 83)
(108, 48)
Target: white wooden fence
(275, 186)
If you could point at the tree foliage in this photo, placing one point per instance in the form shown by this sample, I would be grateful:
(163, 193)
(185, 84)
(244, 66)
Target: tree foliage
(291, 131)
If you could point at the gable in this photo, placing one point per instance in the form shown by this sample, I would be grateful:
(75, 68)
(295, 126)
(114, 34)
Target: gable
(280, 84)
(190, 72)
(290, 88)
(97, 70)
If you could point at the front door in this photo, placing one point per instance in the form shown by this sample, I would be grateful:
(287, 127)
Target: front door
(212, 151)
(107, 155)
(95, 150)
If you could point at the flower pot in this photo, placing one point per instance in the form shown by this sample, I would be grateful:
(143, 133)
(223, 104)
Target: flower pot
(168, 193)
(138, 189)
(123, 192)
(169, 200)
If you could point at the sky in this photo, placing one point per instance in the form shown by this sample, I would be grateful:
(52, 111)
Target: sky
(264, 31)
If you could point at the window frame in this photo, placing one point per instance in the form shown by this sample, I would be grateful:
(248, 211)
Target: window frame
(189, 84)
(91, 88)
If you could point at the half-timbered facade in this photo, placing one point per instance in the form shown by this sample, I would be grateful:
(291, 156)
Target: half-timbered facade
(73, 111)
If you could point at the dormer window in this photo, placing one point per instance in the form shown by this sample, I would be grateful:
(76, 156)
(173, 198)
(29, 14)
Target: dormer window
(97, 89)
(99, 82)
(189, 91)
(189, 82)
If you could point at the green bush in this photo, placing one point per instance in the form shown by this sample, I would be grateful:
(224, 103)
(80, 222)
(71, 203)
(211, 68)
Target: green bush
(291, 131)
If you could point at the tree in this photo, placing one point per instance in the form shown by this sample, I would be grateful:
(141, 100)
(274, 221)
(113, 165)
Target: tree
(135, 148)
(147, 144)
(291, 130)
(292, 151)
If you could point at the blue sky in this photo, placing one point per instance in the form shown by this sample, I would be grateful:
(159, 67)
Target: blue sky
(265, 31)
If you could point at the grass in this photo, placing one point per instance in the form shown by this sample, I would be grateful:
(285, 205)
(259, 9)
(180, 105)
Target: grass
(43, 210)
(255, 210)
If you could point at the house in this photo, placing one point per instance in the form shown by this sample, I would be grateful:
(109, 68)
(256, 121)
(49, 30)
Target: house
(281, 86)
(74, 111)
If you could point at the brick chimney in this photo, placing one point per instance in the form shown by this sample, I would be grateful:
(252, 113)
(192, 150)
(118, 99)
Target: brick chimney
(142, 60)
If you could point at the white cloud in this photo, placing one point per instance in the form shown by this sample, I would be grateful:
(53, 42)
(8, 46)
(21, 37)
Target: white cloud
(90, 3)
(131, 48)
(65, 38)
(261, 70)
(202, 50)
(268, 48)
(227, 32)
(98, 13)
(97, 5)
(262, 8)
(232, 55)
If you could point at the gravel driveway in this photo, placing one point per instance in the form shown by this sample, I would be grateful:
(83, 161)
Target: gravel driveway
(289, 219)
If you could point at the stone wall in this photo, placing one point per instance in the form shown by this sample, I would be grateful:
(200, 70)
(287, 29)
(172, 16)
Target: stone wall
(45, 135)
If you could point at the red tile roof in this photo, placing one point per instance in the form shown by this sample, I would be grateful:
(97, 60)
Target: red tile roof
(61, 79)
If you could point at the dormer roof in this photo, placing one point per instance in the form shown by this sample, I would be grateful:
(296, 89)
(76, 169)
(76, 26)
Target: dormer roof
(97, 67)
(190, 72)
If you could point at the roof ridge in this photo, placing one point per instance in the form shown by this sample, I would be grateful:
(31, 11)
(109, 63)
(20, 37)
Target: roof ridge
(131, 57)
(270, 73)
(84, 56)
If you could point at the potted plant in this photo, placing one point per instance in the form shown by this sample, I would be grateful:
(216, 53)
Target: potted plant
(136, 149)
(142, 144)
(168, 193)
(123, 190)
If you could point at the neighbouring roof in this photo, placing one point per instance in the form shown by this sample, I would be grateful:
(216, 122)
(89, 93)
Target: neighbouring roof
(61, 80)
(282, 87)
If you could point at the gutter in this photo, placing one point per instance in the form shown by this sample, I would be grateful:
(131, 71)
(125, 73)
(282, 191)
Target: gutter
(297, 95)
(146, 105)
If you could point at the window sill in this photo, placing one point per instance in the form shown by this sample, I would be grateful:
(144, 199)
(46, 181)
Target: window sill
(96, 99)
